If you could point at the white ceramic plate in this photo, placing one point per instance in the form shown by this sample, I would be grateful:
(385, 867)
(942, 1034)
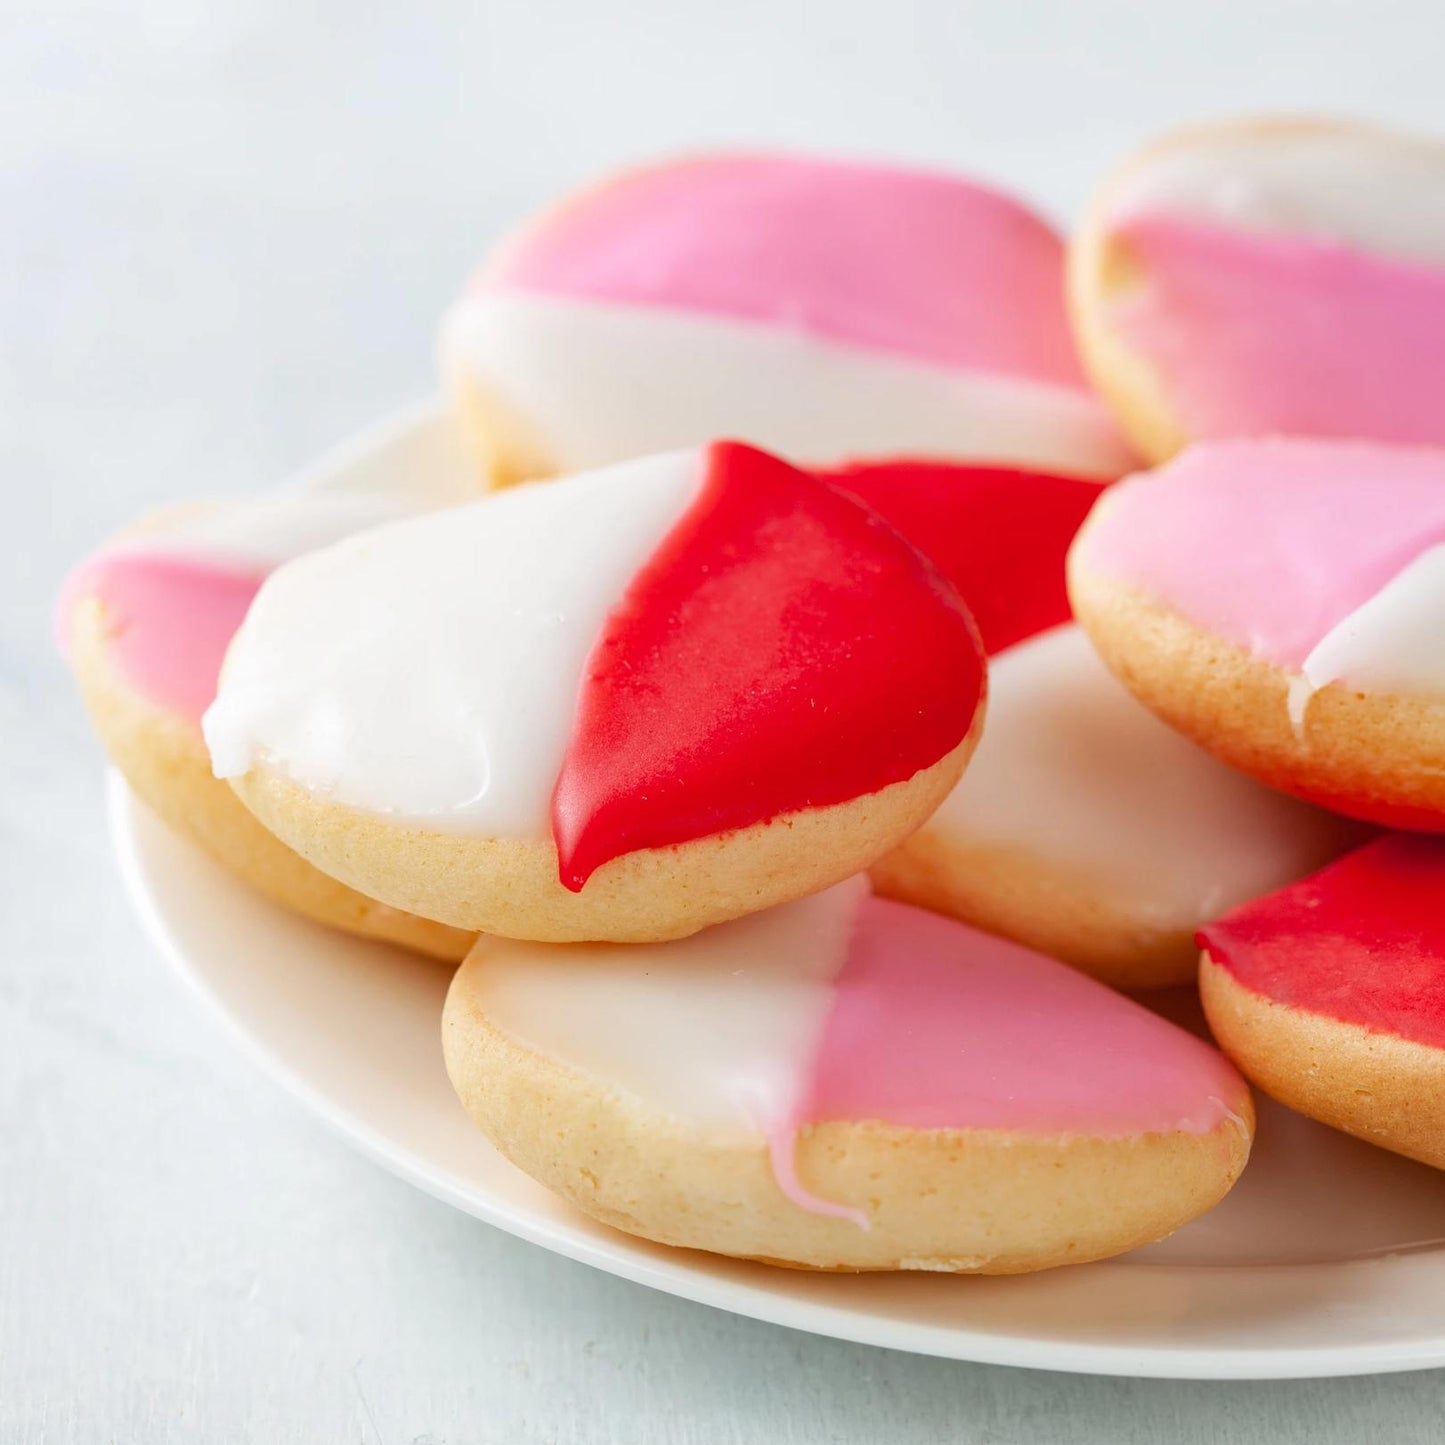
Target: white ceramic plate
(1328, 1258)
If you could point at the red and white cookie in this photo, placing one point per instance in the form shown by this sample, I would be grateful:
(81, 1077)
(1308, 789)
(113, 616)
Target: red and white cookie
(146, 622)
(1283, 603)
(822, 309)
(621, 706)
(845, 1082)
(1330, 994)
(1084, 826)
(1268, 276)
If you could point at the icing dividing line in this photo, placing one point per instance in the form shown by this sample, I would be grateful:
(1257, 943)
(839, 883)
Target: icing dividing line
(738, 679)
(916, 264)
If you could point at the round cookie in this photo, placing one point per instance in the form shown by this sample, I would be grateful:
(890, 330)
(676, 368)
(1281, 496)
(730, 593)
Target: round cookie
(1263, 277)
(146, 622)
(1330, 994)
(821, 309)
(1282, 602)
(625, 705)
(845, 1083)
(1083, 826)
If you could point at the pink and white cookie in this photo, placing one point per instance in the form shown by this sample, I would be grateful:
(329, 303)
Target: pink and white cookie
(822, 309)
(1330, 994)
(1268, 276)
(845, 1083)
(1283, 603)
(625, 705)
(1083, 826)
(146, 622)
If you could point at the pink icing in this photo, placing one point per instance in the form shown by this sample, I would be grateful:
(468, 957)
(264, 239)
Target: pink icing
(169, 621)
(1270, 543)
(935, 1025)
(925, 266)
(1256, 333)
(782, 1144)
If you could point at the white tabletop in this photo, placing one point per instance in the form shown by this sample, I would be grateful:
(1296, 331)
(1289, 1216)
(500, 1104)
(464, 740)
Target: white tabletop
(226, 231)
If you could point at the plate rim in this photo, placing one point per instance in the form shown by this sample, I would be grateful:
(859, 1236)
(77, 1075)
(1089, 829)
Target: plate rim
(676, 1278)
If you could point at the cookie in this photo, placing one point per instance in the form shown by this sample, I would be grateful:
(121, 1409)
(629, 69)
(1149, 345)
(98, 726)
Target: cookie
(1330, 994)
(1281, 602)
(845, 1083)
(821, 309)
(1268, 276)
(625, 705)
(1084, 826)
(146, 622)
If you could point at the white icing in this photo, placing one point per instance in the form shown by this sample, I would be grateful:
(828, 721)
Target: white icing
(430, 670)
(395, 471)
(1395, 642)
(598, 382)
(717, 1029)
(1297, 702)
(1363, 187)
(1073, 771)
(418, 455)
(260, 533)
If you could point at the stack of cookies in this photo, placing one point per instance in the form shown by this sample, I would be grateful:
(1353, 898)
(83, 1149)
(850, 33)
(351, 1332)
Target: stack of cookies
(806, 745)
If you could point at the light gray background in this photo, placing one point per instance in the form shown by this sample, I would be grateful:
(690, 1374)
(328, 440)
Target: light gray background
(225, 232)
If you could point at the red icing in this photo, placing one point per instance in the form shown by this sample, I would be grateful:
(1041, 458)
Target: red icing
(1000, 535)
(782, 649)
(1362, 941)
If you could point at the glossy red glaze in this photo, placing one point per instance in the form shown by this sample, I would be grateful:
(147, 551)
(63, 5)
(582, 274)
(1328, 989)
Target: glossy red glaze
(782, 649)
(1362, 941)
(1000, 535)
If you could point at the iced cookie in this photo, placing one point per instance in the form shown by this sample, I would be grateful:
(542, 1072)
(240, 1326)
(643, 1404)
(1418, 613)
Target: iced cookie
(1330, 994)
(1084, 826)
(146, 622)
(623, 706)
(822, 309)
(1269, 276)
(845, 1082)
(1283, 603)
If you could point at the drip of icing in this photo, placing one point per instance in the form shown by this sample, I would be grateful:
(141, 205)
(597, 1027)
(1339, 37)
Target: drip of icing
(782, 1148)
(1394, 641)
(1257, 334)
(1297, 704)
(934, 1025)
(1069, 758)
(1363, 941)
(924, 266)
(174, 593)
(599, 382)
(1000, 535)
(1241, 1124)
(1270, 544)
(781, 649)
(429, 671)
